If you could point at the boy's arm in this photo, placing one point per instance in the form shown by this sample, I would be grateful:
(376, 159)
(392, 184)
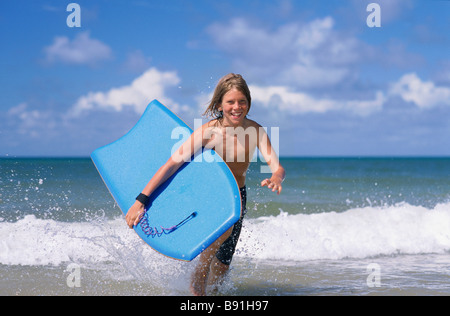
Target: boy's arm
(183, 154)
(271, 157)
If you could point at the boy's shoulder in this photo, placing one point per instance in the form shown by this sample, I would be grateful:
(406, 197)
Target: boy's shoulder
(251, 123)
(211, 123)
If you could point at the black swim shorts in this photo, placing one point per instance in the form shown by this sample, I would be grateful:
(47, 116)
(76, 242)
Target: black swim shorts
(227, 249)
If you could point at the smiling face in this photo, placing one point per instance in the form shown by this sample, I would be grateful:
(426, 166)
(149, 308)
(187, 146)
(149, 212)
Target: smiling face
(225, 86)
(234, 107)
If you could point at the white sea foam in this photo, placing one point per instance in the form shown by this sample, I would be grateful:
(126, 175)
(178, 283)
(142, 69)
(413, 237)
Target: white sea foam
(33, 241)
(356, 233)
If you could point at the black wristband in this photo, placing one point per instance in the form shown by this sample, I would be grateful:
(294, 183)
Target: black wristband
(143, 198)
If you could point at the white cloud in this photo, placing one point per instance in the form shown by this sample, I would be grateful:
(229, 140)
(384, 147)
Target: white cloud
(81, 50)
(283, 99)
(152, 84)
(29, 122)
(311, 55)
(424, 94)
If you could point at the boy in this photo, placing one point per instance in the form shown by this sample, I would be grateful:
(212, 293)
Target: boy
(227, 134)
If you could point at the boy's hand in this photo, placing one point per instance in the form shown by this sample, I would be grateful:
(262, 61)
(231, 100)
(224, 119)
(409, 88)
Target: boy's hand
(135, 214)
(273, 183)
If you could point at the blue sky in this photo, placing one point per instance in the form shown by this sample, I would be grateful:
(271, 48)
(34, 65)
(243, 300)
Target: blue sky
(333, 85)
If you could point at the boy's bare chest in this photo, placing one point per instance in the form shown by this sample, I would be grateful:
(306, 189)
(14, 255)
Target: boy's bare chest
(234, 146)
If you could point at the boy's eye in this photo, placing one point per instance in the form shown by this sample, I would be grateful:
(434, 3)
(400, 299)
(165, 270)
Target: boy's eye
(241, 102)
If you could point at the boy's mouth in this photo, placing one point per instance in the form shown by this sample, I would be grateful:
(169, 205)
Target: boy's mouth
(236, 115)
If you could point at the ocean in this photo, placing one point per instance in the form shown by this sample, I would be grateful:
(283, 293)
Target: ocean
(342, 226)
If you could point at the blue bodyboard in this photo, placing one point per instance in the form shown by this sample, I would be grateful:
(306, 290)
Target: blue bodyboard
(202, 197)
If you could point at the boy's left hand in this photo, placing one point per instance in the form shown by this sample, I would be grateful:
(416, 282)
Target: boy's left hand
(273, 183)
